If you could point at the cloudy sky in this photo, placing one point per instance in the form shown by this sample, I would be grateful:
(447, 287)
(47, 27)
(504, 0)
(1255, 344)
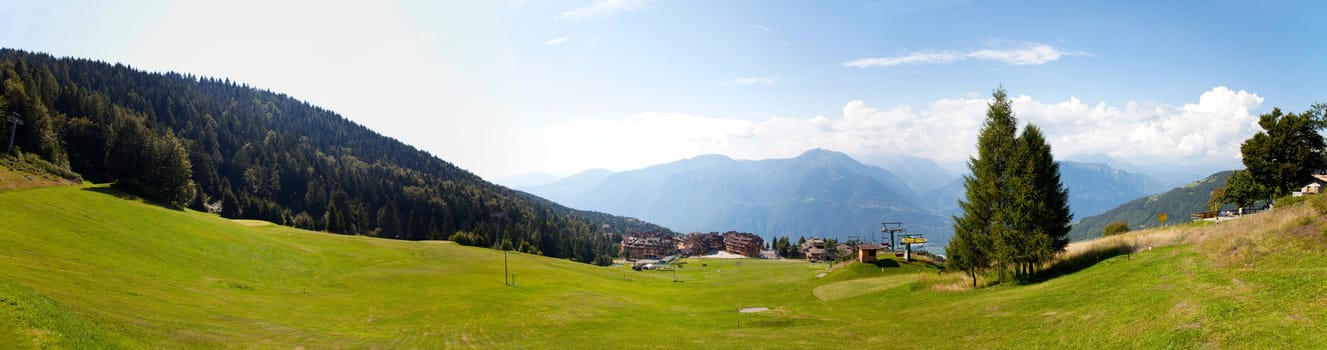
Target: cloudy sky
(512, 87)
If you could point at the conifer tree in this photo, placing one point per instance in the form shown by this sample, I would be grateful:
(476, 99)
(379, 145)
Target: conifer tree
(971, 248)
(230, 204)
(1016, 213)
(1038, 215)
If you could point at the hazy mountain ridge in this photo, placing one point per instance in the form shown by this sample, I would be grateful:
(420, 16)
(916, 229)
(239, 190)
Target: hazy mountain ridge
(561, 190)
(1093, 188)
(820, 192)
(1096, 187)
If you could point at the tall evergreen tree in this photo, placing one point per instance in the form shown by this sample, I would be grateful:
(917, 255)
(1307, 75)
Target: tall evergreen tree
(230, 204)
(1016, 214)
(1038, 215)
(974, 230)
(170, 170)
(154, 166)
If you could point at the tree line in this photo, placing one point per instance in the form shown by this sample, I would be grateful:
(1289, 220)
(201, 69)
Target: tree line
(212, 144)
(1015, 216)
(1280, 158)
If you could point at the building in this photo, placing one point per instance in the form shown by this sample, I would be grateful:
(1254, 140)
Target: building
(1314, 187)
(648, 245)
(867, 252)
(815, 254)
(813, 249)
(742, 243)
(697, 243)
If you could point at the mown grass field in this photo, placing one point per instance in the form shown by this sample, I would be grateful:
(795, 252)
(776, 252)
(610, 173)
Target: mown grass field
(81, 267)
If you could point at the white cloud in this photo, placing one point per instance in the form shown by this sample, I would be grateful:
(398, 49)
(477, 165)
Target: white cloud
(1028, 54)
(927, 57)
(756, 81)
(1202, 134)
(556, 41)
(602, 8)
(1205, 134)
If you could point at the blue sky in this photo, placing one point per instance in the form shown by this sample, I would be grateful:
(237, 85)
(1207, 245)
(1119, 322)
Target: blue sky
(503, 88)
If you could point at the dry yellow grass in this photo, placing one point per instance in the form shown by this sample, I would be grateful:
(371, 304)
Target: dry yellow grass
(11, 179)
(252, 222)
(1231, 240)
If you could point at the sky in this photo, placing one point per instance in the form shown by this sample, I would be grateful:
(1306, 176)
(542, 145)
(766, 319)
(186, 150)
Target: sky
(503, 88)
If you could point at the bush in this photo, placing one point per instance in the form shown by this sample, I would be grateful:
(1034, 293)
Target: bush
(1115, 228)
(468, 238)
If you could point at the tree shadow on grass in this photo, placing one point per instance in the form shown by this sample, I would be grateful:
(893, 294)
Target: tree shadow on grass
(885, 263)
(891, 263)
(1080, 261)
(108, 190)
(121, 194)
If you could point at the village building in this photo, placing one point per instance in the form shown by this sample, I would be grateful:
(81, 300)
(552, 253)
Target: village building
(814, 249)
(648, 245)
(740, 243)
(816, 254)
(697, 243)
(1313, 187)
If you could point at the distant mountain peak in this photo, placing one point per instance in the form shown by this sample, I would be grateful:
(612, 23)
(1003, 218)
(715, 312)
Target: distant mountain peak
(704, 160)
(821, 152)
(593, 172)
(828, 156)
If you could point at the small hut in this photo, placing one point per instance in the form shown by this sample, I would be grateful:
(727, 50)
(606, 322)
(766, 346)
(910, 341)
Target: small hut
(866, 252)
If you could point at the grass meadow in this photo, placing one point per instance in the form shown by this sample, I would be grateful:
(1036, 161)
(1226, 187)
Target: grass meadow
(83, 267)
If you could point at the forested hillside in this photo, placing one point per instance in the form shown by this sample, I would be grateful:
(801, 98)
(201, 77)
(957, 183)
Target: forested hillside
(215, 145)
(1142, 212)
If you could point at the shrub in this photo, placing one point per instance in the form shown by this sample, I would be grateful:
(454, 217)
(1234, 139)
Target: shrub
(1115, 228)
(468, 238)
(603, 260)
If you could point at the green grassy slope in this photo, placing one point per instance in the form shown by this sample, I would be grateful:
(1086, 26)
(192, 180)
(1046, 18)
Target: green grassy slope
(82, 268)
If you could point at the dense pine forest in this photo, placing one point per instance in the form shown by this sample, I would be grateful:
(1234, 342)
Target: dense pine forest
(211, 144)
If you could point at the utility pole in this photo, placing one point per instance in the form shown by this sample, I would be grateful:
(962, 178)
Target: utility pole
(15, 119)
(506, 276)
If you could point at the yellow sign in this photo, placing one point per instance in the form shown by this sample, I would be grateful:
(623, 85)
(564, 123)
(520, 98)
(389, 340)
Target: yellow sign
(1161, 217)
(913, 240)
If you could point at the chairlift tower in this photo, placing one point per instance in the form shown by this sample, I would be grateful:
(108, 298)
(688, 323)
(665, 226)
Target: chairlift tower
(908, 240)
(16, 120)
(892, 228)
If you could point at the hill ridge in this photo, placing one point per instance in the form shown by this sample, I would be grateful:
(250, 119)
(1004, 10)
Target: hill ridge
(264, 155)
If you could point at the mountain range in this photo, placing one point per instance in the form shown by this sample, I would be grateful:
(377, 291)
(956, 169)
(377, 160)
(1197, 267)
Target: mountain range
(818, 193)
